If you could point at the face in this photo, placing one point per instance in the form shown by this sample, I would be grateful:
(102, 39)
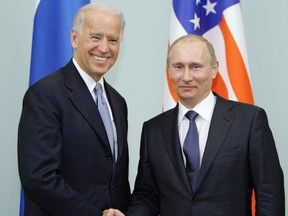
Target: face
(96, 46)
(191, 71)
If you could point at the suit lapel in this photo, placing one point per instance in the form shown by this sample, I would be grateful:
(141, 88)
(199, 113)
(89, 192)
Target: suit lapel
(170, 134)
(221, 121)
(83, 101)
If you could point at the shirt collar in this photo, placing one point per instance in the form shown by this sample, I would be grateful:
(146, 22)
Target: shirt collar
(89, 81)
(204, 108)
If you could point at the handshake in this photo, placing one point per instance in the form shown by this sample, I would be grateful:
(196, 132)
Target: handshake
(112, 212)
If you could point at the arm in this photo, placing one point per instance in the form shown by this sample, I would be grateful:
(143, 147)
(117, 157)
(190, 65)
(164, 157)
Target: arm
(145, 197)
(266, 172)
(39, 157)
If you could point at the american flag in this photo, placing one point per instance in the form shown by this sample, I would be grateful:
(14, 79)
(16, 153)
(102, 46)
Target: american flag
(219, 21)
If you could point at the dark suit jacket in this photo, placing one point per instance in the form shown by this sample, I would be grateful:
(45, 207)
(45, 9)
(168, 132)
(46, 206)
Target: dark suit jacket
(240, 155)
(64, 156)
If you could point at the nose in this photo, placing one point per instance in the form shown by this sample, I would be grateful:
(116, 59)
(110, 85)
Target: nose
(187, 75)
(103, 46)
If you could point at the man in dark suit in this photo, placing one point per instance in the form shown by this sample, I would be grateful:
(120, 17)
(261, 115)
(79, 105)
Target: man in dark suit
(236, 151)
(67, 166)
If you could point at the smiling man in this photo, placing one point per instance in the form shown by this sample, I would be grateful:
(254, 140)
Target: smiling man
(205, 156)
(72, 144)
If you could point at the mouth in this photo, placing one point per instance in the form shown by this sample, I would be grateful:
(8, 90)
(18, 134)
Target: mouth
(186, 87)
(99, 58)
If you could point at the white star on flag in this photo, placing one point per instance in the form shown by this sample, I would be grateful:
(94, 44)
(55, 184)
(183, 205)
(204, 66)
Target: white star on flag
(198, 2)
(210, 7)
(196, 21)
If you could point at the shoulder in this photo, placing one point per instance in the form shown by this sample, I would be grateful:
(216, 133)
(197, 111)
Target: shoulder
(47, 83)
(113, 93)
(167, 117)
(53, 85)
(231, 104)
(67, 76)
(242, 110)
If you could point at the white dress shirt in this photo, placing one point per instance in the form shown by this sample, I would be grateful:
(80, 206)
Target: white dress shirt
(91, 83)
(205, 110)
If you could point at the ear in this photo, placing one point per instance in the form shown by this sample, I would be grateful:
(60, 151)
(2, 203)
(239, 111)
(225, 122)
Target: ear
(215, 67)
(74, 37)
(168, 71)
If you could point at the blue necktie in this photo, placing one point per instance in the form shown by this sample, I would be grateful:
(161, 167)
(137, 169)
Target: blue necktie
(105, 115)
(191, 150)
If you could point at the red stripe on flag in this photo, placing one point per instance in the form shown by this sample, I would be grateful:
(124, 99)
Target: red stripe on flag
(219, 86)
(253, 204)
(238, 74)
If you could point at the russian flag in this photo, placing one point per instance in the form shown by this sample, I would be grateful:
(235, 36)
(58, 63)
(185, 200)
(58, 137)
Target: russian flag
(51, 45)
(221, 23)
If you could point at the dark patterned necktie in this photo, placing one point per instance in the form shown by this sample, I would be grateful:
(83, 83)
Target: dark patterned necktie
(191, 150)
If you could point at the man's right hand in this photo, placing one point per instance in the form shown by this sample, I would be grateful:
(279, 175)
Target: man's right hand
(112, 212)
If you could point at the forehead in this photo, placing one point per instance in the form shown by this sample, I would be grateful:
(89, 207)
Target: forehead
(188, 49)
(98, 20)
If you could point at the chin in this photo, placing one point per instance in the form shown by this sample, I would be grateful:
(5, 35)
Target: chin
(188, 96)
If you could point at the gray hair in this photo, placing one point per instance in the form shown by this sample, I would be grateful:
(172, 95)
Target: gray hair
(101, 7)
(192, 37)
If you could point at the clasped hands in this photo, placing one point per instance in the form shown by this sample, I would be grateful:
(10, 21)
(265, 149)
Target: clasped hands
(112, 212)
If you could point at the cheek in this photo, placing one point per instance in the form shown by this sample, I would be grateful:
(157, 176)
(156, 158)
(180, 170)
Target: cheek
(175, 77)
(175, 82)
(115, 51)
(203, 77)
(207, 82)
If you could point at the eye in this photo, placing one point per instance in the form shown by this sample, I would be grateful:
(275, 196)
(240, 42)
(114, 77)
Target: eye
(95, 37)
(113, 41)
(177, 66)
(196, 66)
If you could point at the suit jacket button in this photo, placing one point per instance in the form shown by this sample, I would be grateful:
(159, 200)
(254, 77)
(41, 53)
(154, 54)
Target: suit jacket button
(194, 203)
(109, 156)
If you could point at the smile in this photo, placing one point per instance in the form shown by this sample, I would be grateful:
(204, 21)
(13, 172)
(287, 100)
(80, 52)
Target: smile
(98, 58)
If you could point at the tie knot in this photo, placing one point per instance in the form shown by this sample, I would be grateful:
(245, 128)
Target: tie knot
(191, 115)
(98, 89)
